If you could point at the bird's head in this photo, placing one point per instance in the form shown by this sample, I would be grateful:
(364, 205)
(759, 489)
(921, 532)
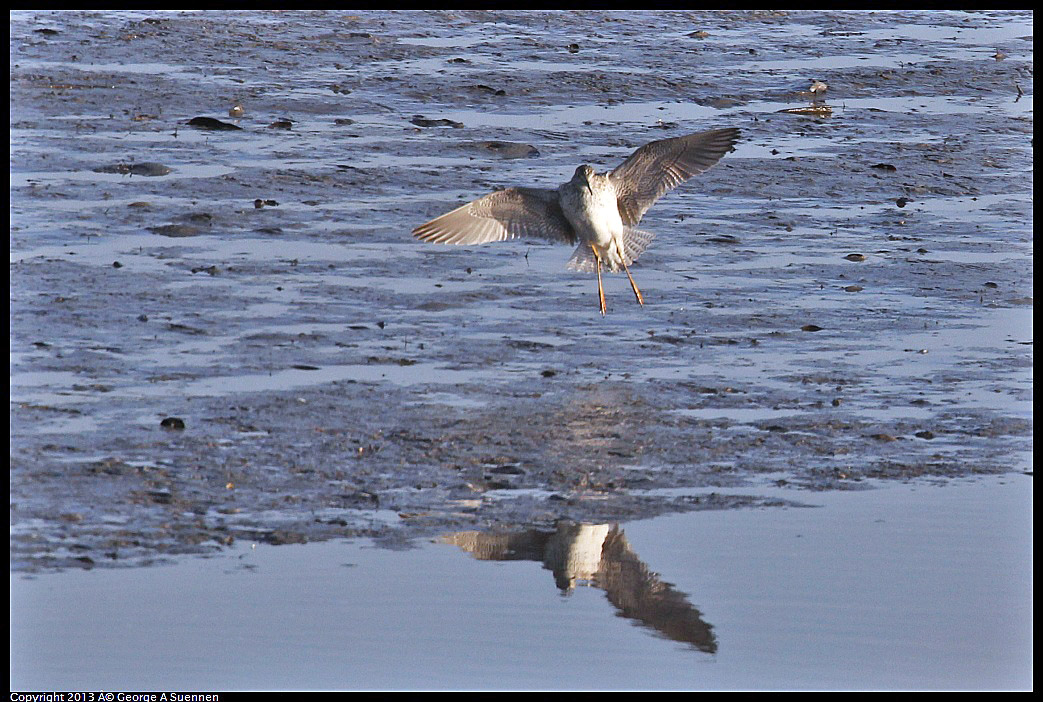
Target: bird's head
(583, 175)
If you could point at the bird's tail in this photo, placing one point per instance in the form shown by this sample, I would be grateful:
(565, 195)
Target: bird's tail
(635, 241)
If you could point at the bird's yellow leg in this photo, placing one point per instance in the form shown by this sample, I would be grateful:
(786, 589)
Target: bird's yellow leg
(637, 293)
(601, 290)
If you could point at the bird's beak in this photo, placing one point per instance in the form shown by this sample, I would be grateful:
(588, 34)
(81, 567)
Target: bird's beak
(586, 181)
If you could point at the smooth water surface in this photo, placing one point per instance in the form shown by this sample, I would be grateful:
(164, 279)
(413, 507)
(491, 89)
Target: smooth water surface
(912, 586)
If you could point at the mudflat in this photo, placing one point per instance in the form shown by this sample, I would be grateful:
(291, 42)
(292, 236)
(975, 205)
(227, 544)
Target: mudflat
(221, 328)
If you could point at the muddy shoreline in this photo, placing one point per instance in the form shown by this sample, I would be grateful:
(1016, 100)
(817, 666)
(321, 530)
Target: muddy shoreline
(846, 298)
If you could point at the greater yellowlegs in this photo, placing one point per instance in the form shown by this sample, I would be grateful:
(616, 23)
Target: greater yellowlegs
(600, 213)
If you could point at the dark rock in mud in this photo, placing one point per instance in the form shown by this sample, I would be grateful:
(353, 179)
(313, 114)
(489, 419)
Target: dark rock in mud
(143, 169)
(504, 149)
(197, 217)
(176, 230)
(487, 89)
(212, 124)
(809, 111)
(421, 121)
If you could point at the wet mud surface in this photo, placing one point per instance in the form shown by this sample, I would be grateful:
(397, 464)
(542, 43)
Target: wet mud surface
(222, 334)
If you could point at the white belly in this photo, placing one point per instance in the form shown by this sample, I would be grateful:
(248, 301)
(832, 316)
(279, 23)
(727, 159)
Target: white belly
(595, 218)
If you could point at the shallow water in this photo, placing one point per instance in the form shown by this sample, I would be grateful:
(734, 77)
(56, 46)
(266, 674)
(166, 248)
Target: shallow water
(844, 301)
(894, 588)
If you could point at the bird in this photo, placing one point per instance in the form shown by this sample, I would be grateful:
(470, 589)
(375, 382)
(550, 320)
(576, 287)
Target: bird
(598, 213)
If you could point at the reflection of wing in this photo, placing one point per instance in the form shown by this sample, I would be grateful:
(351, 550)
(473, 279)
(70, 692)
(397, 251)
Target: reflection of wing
(639, 594)
(599, 555)
(660, 166)
(504, 214)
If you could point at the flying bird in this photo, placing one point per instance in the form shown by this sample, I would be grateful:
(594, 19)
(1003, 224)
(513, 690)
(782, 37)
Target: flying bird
(598, 213)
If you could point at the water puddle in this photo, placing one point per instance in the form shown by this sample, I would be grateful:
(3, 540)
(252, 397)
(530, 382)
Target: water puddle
(858, 582)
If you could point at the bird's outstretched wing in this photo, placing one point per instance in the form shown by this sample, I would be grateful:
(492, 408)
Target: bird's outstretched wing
(660, 166)
(501, 215)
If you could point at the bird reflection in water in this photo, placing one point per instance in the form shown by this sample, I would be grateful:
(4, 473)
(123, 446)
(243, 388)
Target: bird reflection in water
(598, 555)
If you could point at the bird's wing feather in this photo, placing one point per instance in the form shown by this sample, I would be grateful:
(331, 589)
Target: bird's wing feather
(660, 166)
(501, 215)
